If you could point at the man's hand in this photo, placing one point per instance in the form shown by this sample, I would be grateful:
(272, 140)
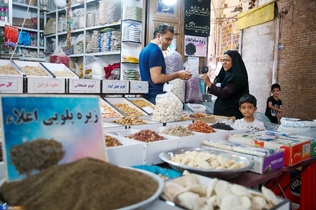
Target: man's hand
(184, 74)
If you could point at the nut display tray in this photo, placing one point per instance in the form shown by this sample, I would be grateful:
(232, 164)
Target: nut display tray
(114, 101)
(8, 63)
(35, 69)
(219, 173)
(131, 153)
(59, 70)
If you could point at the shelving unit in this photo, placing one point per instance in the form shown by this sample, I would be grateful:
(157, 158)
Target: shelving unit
(34, 51)
(86, 28)
(131, 43)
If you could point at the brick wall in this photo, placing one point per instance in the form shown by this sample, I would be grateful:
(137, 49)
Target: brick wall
(297, 60)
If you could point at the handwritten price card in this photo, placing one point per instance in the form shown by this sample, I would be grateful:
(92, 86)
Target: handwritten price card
(84, 86)
(43, 131)
(115, 86)
(139, 87)
(45, 85)
(11, 85)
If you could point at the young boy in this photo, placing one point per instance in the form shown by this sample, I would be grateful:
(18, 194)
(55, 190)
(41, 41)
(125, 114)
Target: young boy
(248, 106)
(274, 104)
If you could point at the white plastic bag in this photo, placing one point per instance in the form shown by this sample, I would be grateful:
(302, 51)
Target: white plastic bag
(168, 107)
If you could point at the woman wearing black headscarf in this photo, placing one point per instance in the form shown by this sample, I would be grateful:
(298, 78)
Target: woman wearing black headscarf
(233, 81)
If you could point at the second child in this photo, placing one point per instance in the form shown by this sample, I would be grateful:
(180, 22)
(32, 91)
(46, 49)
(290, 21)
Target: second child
(248, 106)
(274, 104)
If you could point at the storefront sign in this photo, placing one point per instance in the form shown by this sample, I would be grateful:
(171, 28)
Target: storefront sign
(197, 18)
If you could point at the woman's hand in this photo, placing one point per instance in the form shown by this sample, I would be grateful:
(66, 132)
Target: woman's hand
(206, 79)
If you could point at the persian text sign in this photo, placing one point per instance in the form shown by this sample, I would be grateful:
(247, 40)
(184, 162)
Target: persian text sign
(45, 85)
(115, 86)
(42, 131)
(197, 18)
(11, 85)
(84, 86)
(139, 87)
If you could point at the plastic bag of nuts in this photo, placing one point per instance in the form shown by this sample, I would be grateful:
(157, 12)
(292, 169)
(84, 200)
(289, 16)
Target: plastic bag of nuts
(168, 107)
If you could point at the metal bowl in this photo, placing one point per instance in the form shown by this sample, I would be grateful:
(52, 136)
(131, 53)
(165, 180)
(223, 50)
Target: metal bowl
(218, 173)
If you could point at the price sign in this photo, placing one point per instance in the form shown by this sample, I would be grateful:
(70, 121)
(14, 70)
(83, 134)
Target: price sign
(45, 85)
(84, 86)
(115, 86)
(11, 85)
(139, 87)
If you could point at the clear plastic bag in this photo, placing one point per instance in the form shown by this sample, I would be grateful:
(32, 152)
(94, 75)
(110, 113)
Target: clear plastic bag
(59, 57)
(178, 88)
(168, 107)
(102, 12)
(174, 62)
(113, 11)
(193, 93)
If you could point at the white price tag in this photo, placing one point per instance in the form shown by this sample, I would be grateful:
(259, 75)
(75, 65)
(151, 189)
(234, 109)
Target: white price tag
(83, 85)
(139, 87)
(115, 86)
(11, 84)
(39, 85)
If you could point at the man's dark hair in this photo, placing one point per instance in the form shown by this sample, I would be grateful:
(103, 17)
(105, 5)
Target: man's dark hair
(162, 29)
(275, 85)
(248, 98)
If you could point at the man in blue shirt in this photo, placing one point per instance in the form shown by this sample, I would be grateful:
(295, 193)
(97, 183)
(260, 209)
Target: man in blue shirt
(152, 63)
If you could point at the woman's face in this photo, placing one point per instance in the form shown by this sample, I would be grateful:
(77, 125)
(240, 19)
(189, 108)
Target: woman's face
(226, 62)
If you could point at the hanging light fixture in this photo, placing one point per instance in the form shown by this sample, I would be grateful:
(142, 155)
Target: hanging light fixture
(169, 2)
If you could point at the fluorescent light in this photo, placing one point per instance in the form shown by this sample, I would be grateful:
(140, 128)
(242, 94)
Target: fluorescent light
(169, 2)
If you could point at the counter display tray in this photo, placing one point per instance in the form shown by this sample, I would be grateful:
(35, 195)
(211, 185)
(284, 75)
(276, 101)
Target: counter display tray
(113, 101)
(219, 173)
(152, 149)
(148, 110)
(284, 204)
(61, 70)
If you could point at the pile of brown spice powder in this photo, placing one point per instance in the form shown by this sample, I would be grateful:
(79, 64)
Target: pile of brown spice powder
(85, 184)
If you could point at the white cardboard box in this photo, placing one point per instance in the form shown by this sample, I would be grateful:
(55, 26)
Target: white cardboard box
(131, 153)
(107, 110)
(152, 149)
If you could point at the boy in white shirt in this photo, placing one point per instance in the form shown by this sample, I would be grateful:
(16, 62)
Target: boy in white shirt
(248, 106)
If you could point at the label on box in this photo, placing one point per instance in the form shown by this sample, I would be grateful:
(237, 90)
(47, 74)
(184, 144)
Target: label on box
(84, 85)
(139, 87)
(113, 86)
(11, 84)
(38, 85)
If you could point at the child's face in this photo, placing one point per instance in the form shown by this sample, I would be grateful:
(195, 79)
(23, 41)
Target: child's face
(276, 92)
(247, 109)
